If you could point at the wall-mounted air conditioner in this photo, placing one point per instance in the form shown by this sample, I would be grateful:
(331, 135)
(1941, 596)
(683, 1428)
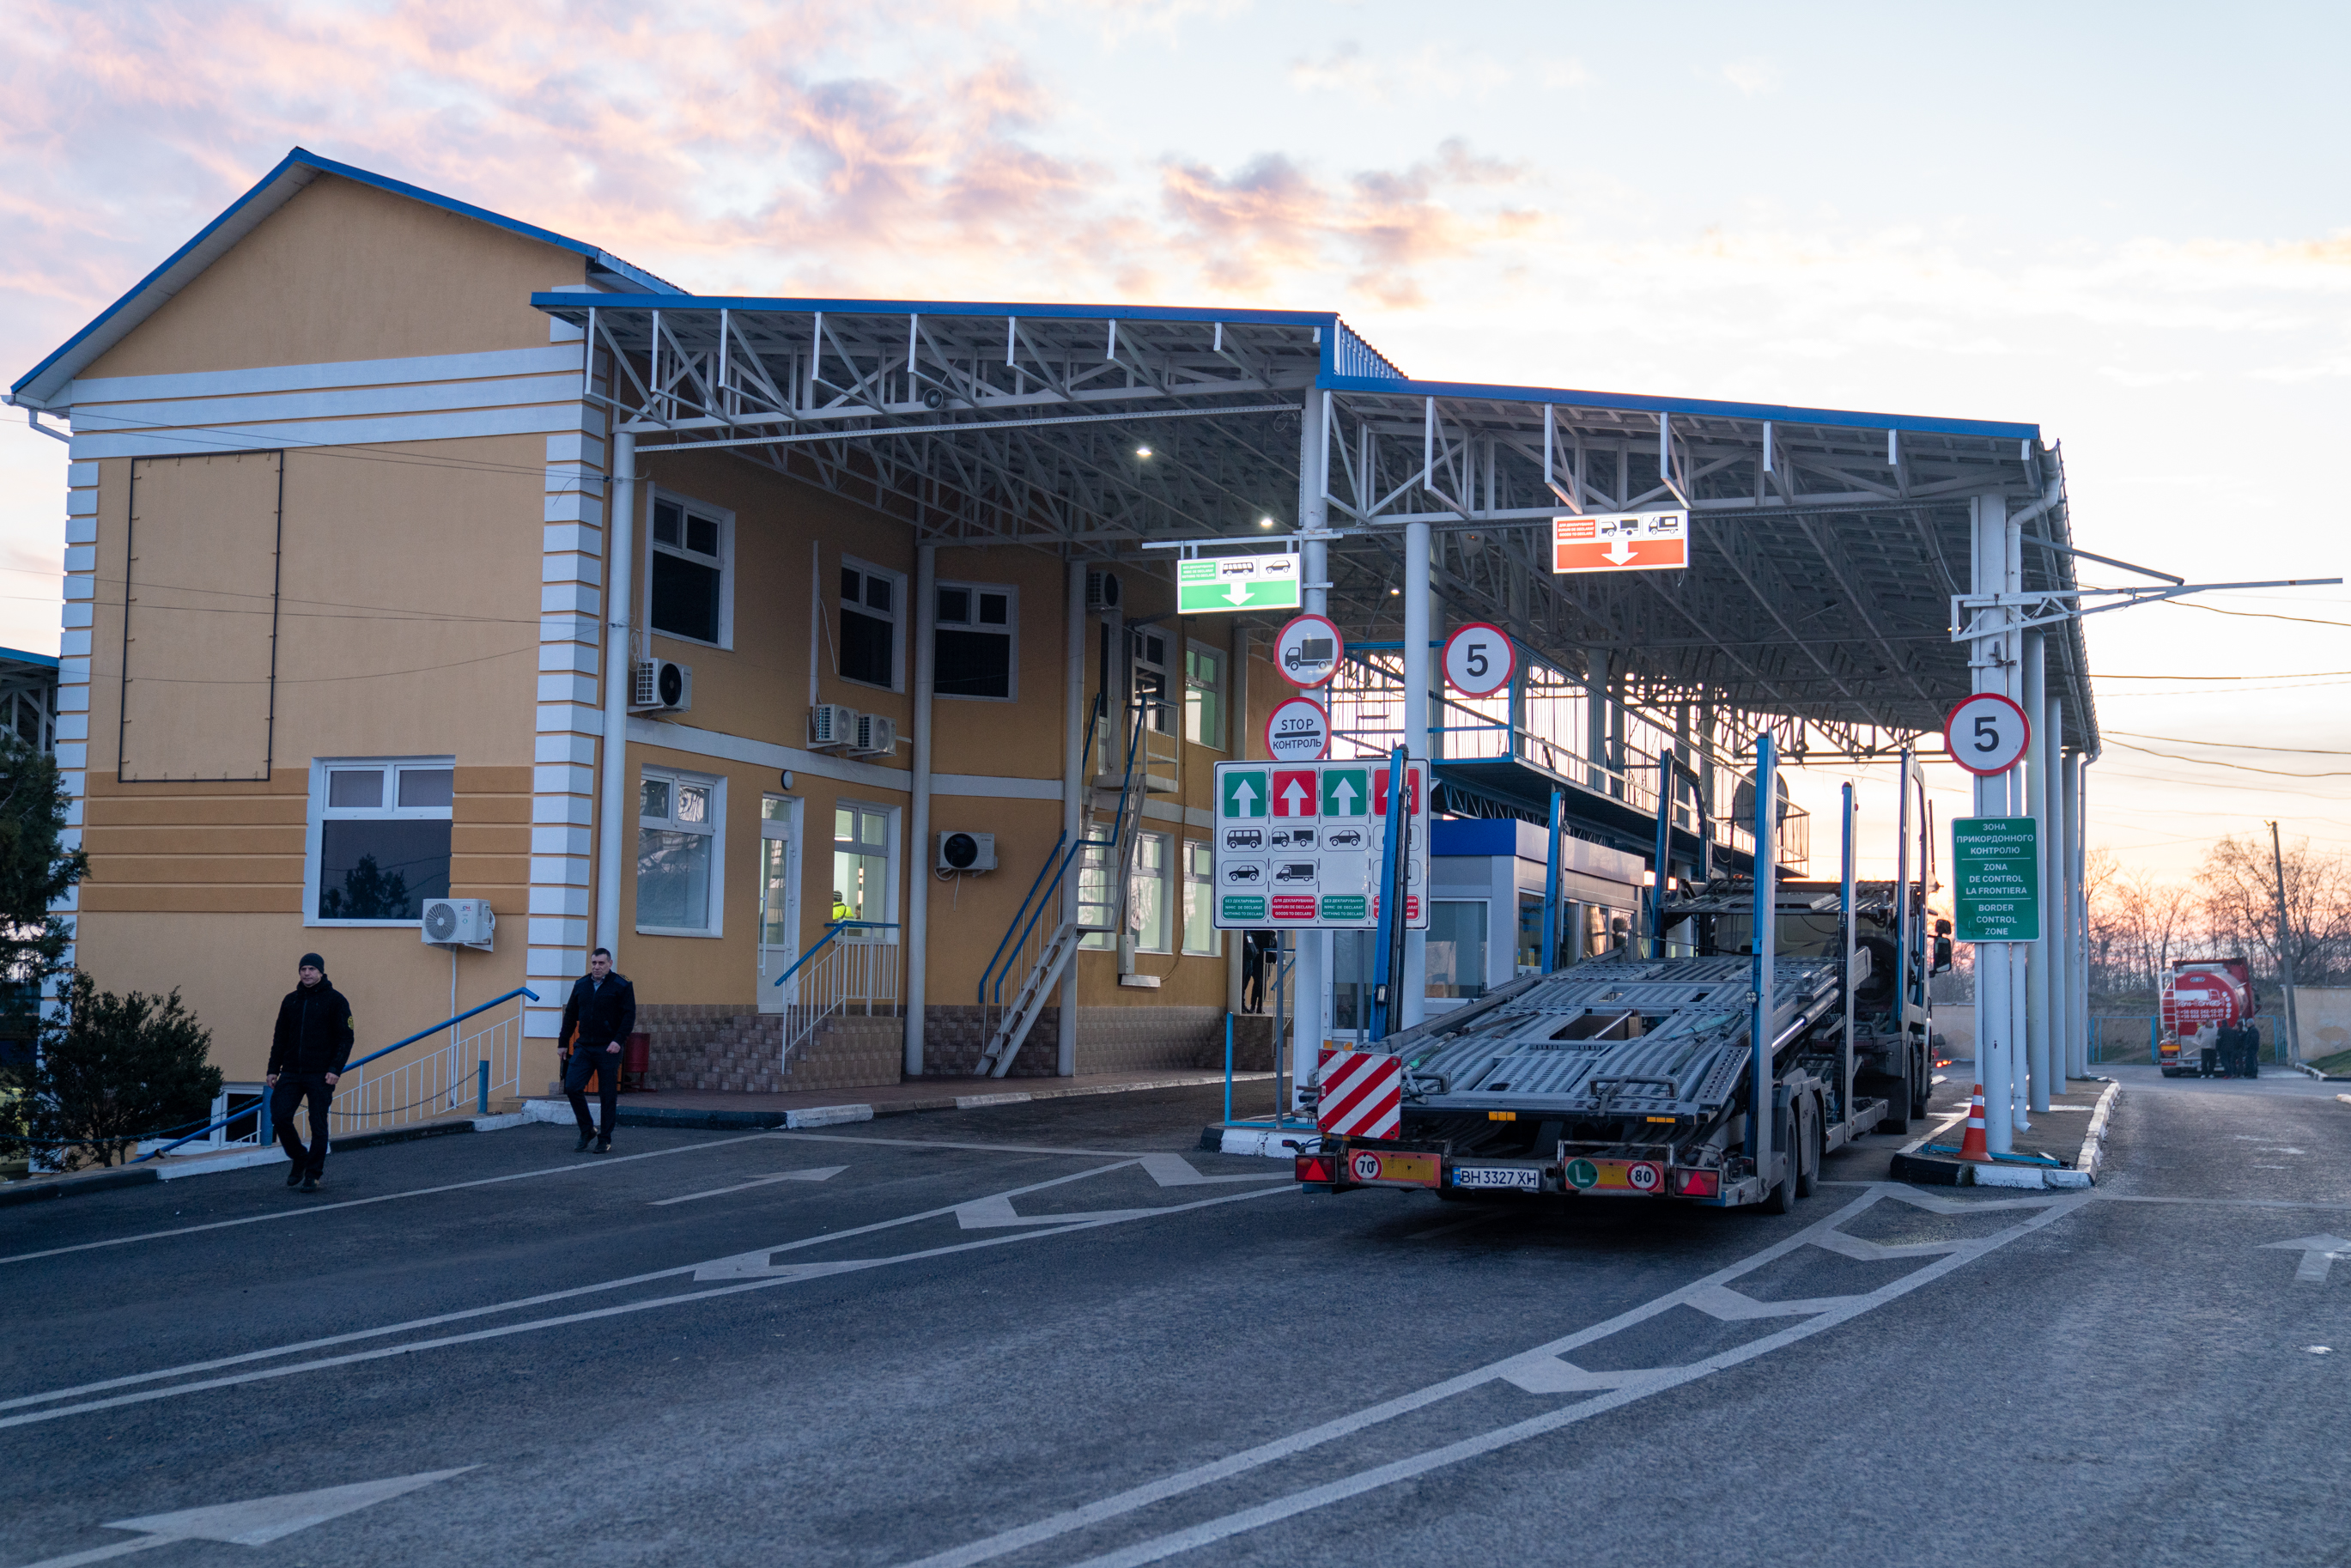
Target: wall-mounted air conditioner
(966, 851)
(1102, 590)
(660, 686)
(459, 923)
(873, 735)
(832, 727)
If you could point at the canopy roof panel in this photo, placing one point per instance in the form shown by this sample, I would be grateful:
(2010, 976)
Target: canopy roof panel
(1828, 543)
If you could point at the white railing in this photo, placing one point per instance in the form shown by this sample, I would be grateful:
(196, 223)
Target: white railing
(430, 1080)
(855, 961)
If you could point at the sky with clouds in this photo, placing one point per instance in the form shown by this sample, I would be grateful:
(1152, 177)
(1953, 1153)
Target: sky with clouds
(2127, 224)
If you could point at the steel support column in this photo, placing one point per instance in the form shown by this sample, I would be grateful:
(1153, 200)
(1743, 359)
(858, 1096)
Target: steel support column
(612, 794)
(2078, 966)
(918, 814)
(1310, 1027)
(1073, 800)
(1988, 660)
(1417, 541)
(2039, 976)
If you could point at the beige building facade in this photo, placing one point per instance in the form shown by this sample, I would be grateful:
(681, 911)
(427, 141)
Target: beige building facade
(339, 563)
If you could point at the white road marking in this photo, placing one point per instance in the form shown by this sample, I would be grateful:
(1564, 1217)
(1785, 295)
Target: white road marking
(1537, 1365)
(2318, 1255)
(814, 1173)
(752, 1271)
(256, 1521)
(1936, 1131)
(606, 1163)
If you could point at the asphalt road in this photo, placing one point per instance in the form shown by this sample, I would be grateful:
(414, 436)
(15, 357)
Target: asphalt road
(1056, 1334)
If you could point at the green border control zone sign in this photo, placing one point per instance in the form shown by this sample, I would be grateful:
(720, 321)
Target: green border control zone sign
(1237, 582)
(1996, 879)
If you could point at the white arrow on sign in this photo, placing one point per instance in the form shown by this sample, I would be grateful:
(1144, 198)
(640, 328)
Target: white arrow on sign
(1618, 551)
(1344, 793)
(256, 1522)
(1243, 796)
(2318, 1255)
(1294, 794)
(1237, 592)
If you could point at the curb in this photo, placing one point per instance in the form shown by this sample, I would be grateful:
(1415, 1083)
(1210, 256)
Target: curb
(82, 1182)
(77, 1184)
(1919, 1171)
(559, 1112)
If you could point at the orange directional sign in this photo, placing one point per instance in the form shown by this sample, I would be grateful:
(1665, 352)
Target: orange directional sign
(1621, 541)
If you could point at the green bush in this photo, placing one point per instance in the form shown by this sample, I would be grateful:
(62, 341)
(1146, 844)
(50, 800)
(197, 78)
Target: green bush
(112, 1070)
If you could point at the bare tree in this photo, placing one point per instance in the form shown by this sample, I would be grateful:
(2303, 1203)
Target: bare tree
(2239, 888)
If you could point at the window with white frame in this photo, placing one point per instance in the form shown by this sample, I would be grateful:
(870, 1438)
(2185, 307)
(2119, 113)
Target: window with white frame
(870, 599)
(1204, 696)
(379, 839)
(1146, 894)
(1200, 933)
(1147, 664)
(680, 827)
(973, 651)
(1097, 907)
(861, 870)
(686, 588)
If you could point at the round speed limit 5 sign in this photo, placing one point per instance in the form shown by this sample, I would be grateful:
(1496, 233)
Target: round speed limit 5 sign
(1478, 660)
(1986, 733)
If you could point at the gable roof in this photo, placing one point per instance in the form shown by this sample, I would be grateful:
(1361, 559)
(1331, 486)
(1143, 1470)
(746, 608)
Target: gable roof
(41, 384)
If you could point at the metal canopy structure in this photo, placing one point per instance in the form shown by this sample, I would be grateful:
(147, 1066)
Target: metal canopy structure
(1828, 545)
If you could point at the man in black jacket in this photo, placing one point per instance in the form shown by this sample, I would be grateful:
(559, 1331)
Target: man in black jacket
(308, 1052)
(602, 1011)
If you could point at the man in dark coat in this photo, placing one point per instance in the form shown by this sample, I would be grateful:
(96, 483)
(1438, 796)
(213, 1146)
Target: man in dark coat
(600, 1015)
(307, 1054)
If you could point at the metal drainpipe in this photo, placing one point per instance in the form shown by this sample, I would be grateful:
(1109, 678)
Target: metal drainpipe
(1073, 803)
(611, 812)
(918, 832)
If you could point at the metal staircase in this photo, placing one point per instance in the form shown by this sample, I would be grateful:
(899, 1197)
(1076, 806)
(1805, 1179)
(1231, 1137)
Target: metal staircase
(1043, 938)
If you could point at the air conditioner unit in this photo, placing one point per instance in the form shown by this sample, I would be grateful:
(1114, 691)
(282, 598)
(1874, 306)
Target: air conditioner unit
(966, 851)
(873, 735)
(459, 923)
(1102, 590)
(831, 725)
(660, 686)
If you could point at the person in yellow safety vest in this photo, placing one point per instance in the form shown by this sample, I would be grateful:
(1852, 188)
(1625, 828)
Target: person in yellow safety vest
(841, 910)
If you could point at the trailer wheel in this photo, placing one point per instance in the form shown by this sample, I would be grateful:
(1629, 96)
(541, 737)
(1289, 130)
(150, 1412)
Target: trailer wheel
(1922, 1082)
(1781, 1199)
(1898, 1110)
(1810, 1138)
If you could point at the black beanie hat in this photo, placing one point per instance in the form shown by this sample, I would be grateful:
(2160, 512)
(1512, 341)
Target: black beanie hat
(312, 961)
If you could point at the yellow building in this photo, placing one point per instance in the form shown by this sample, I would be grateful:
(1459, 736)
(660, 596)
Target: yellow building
(339, 555)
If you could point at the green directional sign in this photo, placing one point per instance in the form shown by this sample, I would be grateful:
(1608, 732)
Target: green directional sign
(1243, 792)
(1996, 879)
(1233, 583)
(1346, 791)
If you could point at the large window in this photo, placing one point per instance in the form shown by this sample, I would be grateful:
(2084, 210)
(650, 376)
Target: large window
(870, 602)
(1204, 696)
(973, 649)
(380, 843)
(1200, 933)
(687, 593)
(1147, 894)
(861, 868)
(1457, 948)
(679, 828)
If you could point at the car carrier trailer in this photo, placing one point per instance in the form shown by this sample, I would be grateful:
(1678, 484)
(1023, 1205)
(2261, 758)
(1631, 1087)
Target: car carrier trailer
(1638, 1075)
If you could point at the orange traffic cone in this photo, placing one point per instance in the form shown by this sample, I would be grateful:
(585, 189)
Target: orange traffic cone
(1972, 1146)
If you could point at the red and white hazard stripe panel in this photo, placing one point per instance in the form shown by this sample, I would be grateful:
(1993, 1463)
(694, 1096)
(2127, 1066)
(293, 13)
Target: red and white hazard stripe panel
(1363, 1094)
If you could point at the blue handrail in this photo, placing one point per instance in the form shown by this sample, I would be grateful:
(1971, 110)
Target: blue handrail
(421, 1034)
(832, 928)
(1050, 864)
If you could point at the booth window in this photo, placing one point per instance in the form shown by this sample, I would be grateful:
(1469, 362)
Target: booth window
(1204, 696)
(972, 650)
(380, 839)
(1200, 933)
(678, 831)
(870, 600)
(687, 593)
(1457, 948)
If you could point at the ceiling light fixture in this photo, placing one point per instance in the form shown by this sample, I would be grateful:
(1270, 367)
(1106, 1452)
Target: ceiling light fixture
(1142, 452)
(1265, 522)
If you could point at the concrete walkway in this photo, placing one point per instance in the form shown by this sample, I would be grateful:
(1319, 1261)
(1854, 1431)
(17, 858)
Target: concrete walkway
(710, 1107)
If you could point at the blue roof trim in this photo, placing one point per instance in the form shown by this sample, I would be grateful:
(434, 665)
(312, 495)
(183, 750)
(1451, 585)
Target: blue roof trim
(18, 656)
(1032, 311)
(303, 159)
(1778, 413)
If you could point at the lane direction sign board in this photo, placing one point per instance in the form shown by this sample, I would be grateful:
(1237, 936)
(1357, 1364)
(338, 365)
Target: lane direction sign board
(1297, 731)
(1996, 879)
(1299, 846)
(1621, 541)
(1307, 651)
(1206, 585)
(1986, 733)
(1480, 660)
